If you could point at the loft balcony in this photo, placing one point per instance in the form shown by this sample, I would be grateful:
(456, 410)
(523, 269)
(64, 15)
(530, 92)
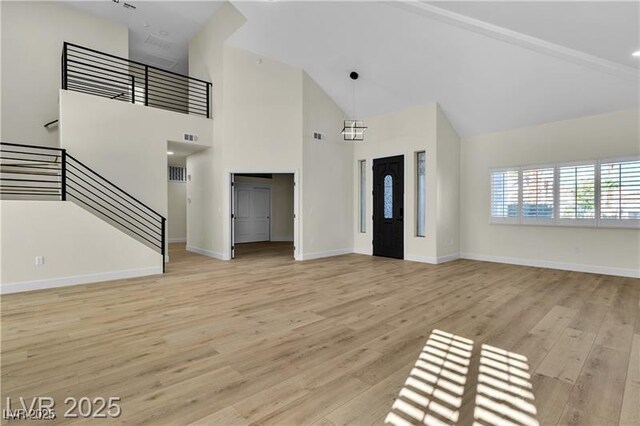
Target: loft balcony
(96, 73)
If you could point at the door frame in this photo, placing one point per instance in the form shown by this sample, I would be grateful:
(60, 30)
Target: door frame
(260, 186)
(228, 222)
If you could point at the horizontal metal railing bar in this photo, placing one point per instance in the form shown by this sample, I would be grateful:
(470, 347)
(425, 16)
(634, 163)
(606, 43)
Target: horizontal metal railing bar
(186, 83)
(29, 153)
(99, 89)
(29, 173)
(172, 102)
(14, 188)
(29, 159)
(177, 90)
(155, 244)
(134, 62)
(86, 66)
(179, 84)
(88, 197)
(142, 222)
(102, 93)
(26, 186)
(98, 92)
(30, 146)
(87, 58)
(33, 166)
(70, 157)
(150, 216)
(177, 96)
(28, 193)
(29, 180)
(74, 73)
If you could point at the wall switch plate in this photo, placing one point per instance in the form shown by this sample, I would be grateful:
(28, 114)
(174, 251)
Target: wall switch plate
(39, 260)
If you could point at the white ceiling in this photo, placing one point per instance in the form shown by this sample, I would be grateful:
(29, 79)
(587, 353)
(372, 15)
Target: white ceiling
(608, 29)
(484, 80)
(174, 23)
(491, 65)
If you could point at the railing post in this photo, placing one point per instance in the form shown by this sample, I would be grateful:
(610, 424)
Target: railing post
(164, 250)
(64, 66)
(133, 90)
(146, 85)
(208, 102)
(63, 170)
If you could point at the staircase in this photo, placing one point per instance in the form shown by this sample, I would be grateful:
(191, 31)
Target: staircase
(29, 172)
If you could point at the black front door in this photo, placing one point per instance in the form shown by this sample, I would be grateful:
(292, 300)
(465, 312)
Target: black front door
(388, 201)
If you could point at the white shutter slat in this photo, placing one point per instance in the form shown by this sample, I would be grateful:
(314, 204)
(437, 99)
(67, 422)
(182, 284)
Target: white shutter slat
(504, 195)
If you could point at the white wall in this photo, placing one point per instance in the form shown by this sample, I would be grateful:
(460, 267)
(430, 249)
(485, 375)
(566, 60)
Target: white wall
(615, 251)
(448, 188)
(327, 195)
(282, 207)
(205, 189)
(400, 133)
(177, 212)
(32, 37)
(126, 143)
(77, 246)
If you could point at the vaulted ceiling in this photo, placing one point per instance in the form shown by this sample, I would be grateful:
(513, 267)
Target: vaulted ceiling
(491, 65)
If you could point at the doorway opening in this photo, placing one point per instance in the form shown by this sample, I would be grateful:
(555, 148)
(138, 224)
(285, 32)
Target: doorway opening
(388, 206)
(262, 217)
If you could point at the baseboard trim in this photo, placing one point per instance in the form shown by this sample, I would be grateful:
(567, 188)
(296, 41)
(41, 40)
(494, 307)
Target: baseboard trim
(329, 253)
(177, 240)
(208, 253)
(433, 260)
(21, 286)
(577, 267)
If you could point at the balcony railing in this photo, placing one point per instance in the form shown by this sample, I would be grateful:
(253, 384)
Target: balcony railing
(96, 73)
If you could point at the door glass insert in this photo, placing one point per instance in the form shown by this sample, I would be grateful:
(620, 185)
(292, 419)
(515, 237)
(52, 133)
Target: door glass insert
(388, 197)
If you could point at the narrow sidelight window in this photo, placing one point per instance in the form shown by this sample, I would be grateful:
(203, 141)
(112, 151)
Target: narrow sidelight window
(421, 193)
(363, 195)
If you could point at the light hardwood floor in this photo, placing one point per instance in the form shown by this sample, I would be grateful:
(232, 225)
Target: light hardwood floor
(266, 340)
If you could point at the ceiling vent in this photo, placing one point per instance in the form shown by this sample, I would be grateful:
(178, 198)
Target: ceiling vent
(158, 61)
(158, 42)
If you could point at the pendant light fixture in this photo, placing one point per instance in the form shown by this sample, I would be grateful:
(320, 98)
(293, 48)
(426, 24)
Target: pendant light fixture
(353, 129)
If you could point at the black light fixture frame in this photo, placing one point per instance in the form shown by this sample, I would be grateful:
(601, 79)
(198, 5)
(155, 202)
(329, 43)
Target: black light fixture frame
(353, 130)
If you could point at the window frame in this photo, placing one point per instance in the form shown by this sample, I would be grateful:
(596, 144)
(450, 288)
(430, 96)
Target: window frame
(537, 220)
(596, 195)
(598, 222)
(499, 219)
(615, 223)
(424, 195)
(362, 196)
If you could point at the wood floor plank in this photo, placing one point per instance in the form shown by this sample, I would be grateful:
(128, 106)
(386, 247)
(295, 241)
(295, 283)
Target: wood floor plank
(567, 356)
(264, 339)
(630, 411)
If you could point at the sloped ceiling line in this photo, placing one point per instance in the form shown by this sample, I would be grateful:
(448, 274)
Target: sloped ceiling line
(519, 39)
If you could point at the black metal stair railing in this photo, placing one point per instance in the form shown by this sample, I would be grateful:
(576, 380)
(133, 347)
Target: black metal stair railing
(29, 172)
(101, 74)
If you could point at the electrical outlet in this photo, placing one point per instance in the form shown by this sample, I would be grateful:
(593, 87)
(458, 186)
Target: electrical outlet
(39, 260)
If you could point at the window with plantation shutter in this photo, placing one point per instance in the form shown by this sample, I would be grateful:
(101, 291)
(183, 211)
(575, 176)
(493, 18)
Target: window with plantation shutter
(504, 196)
(537, 194)
(577, 194)
(620, 193)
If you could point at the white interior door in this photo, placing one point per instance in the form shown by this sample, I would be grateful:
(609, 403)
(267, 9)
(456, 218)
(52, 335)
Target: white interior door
(252, 213)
